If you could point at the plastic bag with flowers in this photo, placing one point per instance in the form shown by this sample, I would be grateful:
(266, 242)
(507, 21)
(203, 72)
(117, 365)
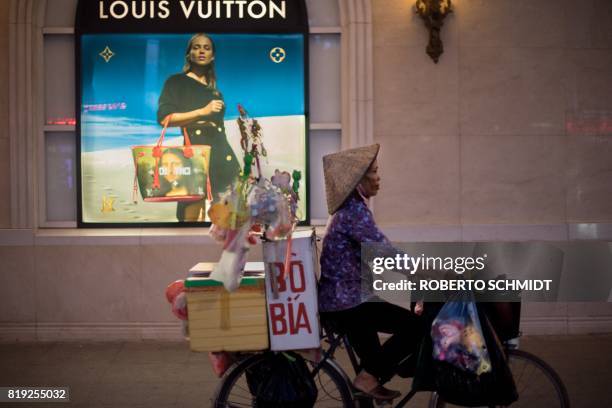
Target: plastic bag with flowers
(458, 338)
(252, 204)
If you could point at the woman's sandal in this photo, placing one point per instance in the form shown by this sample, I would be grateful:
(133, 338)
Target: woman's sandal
(367, 384)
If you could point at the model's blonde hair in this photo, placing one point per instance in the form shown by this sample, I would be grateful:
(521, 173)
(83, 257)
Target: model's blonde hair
(211, 76)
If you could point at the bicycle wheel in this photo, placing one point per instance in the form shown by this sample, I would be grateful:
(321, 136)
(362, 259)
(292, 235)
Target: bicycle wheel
(538, 385)
(237, 389)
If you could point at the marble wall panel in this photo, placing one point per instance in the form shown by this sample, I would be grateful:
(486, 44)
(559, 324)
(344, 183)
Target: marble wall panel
(516, 23)
(601, 23)
(514, 69)
(5, 182)
(588, 231)
(589, 178)
(414, 96)
(512, 180)
(88, 283)
(4, 66)
(588, 23)
(17, 284)
(391, 11)
(508, 232)
(60, 13)
(162, 264)
(591, 309)
(542, 309)
(5, 211)
(588, 81)
(512, 91)
(420, 181)
(587, 270)
(396, 24)
(577, 23)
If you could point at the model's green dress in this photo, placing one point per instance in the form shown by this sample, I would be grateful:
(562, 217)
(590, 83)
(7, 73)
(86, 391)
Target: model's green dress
(184, 94)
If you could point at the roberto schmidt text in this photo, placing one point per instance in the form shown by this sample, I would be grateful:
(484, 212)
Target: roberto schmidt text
(465, 284)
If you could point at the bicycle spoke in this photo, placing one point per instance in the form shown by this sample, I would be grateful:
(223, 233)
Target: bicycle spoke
(245, 389)
(533, 382)
(249, 398)
(327, 383)
(237, 404)
(325, 386)
(328, 399)
(246, 395)
(524, 378)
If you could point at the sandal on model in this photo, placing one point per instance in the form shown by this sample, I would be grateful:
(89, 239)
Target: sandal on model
(368, 384)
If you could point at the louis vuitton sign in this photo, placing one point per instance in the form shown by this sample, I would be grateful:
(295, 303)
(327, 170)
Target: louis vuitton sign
(189, 15)
(204, 9)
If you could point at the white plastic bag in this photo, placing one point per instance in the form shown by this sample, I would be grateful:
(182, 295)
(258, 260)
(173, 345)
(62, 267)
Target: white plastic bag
(230, 267)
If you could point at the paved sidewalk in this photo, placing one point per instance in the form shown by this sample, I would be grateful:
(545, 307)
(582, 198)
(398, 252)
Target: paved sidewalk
(167, 374)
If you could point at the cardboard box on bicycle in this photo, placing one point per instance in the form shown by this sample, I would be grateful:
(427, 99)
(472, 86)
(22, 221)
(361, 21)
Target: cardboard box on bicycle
(224, 321)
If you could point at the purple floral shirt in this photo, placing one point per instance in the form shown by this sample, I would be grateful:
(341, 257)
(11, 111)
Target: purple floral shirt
(340, 286)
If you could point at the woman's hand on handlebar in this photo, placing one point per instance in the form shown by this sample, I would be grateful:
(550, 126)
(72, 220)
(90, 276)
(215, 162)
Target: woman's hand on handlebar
(418, 308)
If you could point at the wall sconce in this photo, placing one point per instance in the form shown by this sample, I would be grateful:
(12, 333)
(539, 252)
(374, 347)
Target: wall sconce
(433, 13)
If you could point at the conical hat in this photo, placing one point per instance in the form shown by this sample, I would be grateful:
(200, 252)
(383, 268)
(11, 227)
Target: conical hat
(343, 171)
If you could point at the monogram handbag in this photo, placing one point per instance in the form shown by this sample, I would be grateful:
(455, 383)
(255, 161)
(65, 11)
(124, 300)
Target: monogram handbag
(172, 173)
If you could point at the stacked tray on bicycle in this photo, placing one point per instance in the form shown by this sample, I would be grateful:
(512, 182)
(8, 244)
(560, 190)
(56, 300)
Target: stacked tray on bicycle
(224, 321)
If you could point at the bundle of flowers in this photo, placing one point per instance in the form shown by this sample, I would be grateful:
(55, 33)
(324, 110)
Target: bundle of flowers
(253, 204)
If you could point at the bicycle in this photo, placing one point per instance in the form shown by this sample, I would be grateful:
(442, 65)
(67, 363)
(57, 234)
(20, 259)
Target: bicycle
(537, 383)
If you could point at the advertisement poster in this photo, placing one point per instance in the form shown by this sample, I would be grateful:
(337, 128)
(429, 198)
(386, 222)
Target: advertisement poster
(130, 83)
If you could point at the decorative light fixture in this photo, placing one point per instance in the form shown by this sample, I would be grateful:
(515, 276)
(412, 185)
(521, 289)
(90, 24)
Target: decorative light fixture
(433, 13)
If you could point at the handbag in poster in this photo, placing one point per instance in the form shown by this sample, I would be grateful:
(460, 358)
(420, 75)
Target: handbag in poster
(172, 173)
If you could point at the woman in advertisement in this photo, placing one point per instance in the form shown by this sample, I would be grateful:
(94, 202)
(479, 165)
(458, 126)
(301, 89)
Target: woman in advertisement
(195, 103)
(351, 178)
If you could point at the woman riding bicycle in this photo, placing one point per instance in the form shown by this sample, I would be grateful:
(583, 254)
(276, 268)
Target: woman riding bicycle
(351, 178)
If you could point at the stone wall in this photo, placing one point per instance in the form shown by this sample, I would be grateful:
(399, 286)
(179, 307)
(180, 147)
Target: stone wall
(5, 165)
(512, 126)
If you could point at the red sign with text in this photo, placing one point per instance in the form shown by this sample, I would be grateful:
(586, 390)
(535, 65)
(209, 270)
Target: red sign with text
(292, 297)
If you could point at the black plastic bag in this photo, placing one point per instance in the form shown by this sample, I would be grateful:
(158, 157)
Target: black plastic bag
(457, 386)
(468, 389)
(282, 380)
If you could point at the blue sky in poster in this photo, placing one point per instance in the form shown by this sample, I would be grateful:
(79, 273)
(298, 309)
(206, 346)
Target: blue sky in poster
(135, 75)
